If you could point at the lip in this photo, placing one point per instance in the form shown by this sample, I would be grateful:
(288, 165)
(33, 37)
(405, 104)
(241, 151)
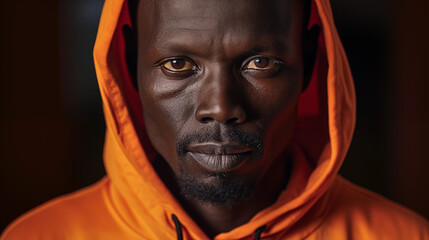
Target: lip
(219, 157)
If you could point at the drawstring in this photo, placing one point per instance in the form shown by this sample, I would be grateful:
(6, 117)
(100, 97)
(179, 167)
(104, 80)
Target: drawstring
(178, 227)
(258, 231)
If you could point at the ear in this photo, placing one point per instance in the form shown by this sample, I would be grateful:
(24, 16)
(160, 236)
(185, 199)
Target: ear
(309, 48)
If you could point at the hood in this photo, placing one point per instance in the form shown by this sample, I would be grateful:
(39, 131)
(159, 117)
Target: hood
(326, 119)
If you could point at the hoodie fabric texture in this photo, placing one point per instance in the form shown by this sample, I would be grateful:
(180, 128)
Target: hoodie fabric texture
(132, 202)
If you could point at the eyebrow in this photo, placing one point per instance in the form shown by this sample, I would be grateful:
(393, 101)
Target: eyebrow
(266, 48)
(185, 48)
(274, 46)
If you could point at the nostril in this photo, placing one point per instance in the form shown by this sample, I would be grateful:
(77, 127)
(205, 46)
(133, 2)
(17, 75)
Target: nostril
(206, 119)
(232, 120)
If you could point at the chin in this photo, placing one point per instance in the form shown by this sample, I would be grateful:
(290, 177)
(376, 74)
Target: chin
(217, 188)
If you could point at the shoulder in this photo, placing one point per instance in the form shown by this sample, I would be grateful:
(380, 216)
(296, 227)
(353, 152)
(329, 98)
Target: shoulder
(66, 214)
(367, 215)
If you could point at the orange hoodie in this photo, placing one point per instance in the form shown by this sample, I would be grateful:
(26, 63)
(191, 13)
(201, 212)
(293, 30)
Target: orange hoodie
(132, 202)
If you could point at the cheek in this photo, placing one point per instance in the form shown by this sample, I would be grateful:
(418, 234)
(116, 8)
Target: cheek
(279, 111)
(166, 109)
(280, 131)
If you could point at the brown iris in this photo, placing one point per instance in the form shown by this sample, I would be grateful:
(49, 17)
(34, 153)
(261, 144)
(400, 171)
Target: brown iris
(261, 63)
(178, 65)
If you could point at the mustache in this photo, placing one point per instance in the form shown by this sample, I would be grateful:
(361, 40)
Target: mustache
(232, 135)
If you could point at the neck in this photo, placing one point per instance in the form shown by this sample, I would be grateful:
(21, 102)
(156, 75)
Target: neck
(214, 219)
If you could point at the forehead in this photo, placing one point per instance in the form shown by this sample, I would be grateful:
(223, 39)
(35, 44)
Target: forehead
(215, 22)
(210, 14)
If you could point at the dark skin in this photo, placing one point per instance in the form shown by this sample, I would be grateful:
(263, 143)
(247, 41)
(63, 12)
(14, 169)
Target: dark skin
(217, 66)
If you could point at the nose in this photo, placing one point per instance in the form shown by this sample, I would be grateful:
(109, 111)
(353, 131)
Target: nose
(220, 99)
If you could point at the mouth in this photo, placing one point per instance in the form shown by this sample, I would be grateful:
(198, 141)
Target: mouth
(219, 157)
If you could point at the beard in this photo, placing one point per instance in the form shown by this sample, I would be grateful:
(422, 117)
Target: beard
(220, 188)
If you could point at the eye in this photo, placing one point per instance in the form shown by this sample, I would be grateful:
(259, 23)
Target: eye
(262, 63)
(179, 65)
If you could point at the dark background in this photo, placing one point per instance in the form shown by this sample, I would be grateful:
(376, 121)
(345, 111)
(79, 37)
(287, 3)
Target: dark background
(52, 127)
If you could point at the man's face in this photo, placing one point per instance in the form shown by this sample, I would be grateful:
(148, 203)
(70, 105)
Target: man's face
(219, 81)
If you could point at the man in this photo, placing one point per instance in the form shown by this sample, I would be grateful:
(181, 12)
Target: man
(225, 120)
